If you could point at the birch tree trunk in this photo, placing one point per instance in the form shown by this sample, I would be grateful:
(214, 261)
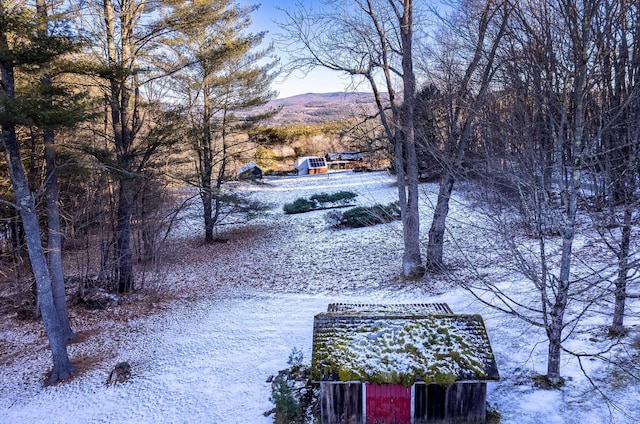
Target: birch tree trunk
(579, 27)
(620, 292)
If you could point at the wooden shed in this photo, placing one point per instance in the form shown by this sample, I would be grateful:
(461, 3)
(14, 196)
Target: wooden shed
(250, 171)
(311, 165)
(401, 364)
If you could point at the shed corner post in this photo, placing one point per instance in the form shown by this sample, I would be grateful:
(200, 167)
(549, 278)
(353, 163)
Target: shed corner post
(364, 402)
(413, 403)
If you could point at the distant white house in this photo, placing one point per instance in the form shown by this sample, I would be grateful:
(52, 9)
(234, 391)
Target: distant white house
(310, 165)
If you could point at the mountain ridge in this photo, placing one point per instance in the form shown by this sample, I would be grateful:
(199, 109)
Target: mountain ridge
(311, 108)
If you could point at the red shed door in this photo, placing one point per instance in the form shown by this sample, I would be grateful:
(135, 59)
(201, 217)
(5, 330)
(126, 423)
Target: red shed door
(388, 404)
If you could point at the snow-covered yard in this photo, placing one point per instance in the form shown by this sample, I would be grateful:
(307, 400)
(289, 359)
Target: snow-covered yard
(237, 309)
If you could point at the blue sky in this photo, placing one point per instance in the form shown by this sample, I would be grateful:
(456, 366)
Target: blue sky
(317, 81)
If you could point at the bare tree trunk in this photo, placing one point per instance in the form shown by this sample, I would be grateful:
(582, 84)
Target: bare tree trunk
(563, 282)
(54, 239)
(207, 200)
(387, 25)
(435, 246)
(579, 31)
(620, 293)
(618, 46)
(62, 367)
(224, 158)
(464, 110)
(123, 252)
(401, 131)
(121, 96)
(205, 157)
(411, 260)
(554, 334)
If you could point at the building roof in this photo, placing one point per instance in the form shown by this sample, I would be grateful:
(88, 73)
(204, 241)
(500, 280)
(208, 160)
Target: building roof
(345, 156)
(386, 308)
(312, 161)
(400, 344)
(247, 167)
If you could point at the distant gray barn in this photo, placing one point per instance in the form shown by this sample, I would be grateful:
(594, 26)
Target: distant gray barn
(344, 160)
(401, 364)
(347, 156)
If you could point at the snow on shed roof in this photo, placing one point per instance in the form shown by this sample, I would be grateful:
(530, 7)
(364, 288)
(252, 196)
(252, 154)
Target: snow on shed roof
(385, 308)
(401, 348)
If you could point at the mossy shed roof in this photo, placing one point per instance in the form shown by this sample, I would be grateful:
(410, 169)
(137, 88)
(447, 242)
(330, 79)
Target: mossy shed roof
(400, 344)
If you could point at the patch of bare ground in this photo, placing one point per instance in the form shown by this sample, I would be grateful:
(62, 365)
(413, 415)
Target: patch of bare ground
(196, 251)
(97, 335)
(87, 362)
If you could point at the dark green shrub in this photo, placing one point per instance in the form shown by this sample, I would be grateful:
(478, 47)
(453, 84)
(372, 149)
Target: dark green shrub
(357, 217)
(299, 206)
(287, 409)
(341, 197)
(320, 201)
(362, 216)
(493, 416)
(294, 396)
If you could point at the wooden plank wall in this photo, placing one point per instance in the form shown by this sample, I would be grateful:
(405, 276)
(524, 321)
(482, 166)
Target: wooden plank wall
(429, 402)
(461, 403)
(341, 403)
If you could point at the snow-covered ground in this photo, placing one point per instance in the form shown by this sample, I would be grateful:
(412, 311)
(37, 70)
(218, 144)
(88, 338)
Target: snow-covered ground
(237, 309)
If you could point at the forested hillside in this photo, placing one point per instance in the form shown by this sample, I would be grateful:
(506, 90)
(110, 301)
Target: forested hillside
(314, 108)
